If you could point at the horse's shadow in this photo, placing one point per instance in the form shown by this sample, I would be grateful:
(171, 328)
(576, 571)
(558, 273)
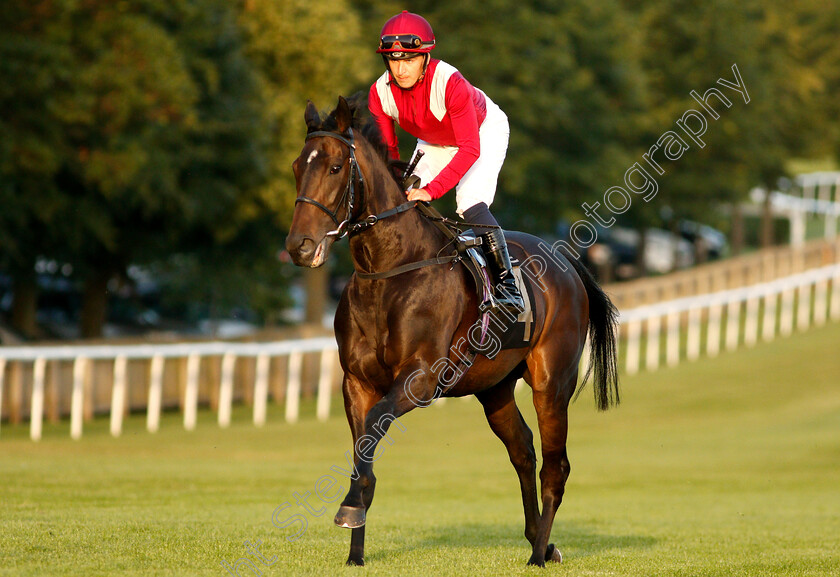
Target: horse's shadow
(572, 540)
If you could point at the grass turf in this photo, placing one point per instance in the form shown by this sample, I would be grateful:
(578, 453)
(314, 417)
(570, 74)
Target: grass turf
(720, 467)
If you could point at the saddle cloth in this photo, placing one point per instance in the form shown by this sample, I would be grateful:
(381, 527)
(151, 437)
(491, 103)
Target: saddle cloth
(512, 333)
(521, 331)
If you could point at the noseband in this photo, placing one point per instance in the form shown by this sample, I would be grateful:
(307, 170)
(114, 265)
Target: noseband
(349, 191)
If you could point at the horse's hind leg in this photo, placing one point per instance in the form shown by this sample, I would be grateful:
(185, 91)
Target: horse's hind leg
(507, 423)
(552, 415)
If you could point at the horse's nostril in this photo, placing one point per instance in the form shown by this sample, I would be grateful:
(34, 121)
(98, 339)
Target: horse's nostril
(300, 247)
(307, 247)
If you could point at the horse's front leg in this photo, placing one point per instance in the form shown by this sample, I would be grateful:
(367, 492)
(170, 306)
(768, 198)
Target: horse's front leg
(414, 386)
(358, 400)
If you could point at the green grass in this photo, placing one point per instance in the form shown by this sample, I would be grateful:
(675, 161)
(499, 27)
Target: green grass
(720, 467)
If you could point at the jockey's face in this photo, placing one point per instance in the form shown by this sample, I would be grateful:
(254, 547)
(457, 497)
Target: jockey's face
(407, 72)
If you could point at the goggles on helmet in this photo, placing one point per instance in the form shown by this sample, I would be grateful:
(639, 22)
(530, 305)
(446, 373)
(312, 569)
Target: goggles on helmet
(405, 41)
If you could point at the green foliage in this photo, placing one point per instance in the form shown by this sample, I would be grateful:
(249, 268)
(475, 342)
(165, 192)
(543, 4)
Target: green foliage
(301, 50)
(137, 140)
(246, 288)
(139, 130)
(690, 46)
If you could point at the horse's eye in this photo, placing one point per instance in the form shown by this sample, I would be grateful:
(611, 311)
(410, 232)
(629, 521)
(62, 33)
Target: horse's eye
(335, 169)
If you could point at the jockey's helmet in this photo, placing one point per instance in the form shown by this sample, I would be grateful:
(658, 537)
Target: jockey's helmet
(405, 36)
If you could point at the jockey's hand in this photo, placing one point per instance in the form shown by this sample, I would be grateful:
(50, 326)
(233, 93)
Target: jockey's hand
(418, 194)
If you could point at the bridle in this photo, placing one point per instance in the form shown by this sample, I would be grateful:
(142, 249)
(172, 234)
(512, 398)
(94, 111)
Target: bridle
(349, 191)
(348, 226)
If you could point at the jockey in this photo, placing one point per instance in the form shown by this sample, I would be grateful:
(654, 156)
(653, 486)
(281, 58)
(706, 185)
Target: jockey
(462, 133)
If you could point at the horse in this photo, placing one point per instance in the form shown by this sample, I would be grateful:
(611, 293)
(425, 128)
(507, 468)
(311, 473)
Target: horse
(401, 334)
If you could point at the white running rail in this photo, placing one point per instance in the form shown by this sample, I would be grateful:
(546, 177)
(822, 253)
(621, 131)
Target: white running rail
(730, 318)
(158, 354)
(709, 322)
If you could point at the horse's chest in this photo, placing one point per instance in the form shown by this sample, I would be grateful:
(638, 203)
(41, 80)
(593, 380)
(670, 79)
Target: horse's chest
(366, 346)
(392, 322)
(378, 337)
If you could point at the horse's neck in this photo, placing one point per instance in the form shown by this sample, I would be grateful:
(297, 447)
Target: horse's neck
(396, 240)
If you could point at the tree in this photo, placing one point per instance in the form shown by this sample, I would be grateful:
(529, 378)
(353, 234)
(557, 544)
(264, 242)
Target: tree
(141, 138)
(302, 50)
(73, 92)
(816, 24)
(690, 45)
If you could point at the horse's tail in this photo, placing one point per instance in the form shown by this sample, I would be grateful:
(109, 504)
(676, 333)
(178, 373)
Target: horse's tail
(603, 325)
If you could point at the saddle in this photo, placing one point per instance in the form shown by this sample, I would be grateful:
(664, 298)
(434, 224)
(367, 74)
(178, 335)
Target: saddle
(511, 332)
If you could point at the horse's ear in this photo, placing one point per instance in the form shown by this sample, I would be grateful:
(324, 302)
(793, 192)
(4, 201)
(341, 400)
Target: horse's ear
(312, 116)
(343, 115)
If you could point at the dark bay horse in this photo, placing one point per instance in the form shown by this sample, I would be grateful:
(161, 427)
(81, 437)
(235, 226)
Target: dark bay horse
(402, 338)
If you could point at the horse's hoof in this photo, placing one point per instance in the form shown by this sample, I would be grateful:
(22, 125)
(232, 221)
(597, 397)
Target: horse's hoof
(350, 517)
(553, 555)
(536, 561)
(355, 562)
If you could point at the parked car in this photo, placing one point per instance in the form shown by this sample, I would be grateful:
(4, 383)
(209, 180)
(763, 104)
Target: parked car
(614, 254)
(664, 251)
(709, 243)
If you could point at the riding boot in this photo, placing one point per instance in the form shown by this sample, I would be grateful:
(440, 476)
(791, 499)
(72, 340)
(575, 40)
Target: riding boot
(505, 290)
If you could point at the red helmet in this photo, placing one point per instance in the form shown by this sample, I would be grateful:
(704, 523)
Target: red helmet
(405, 35)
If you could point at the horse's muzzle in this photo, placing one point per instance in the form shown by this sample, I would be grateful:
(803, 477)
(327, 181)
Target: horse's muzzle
(306, 252)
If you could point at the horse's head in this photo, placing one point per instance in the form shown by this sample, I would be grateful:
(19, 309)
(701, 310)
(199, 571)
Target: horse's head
(329, 185)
